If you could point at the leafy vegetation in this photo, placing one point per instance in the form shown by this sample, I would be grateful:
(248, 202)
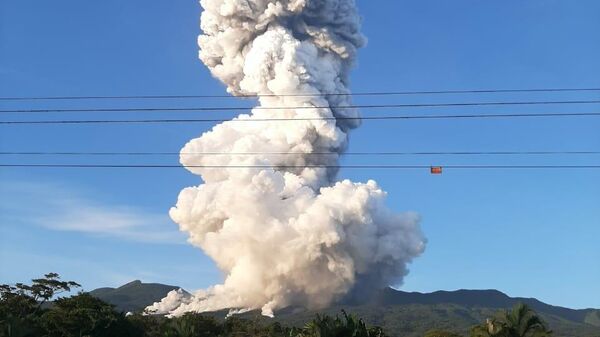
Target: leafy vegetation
(521, 321)
(25, 311)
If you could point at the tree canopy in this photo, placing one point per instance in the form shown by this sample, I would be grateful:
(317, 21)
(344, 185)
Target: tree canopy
(39, 309)
(521, 321)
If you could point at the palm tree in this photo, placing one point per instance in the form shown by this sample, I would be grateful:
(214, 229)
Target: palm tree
(521, 321)
(347, 326)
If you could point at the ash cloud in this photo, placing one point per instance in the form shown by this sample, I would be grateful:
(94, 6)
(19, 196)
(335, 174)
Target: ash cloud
(287, 234)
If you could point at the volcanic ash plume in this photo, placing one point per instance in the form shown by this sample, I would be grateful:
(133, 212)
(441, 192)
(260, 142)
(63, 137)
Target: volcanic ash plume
(278, 225)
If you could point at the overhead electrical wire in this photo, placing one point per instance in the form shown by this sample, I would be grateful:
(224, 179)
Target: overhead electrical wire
(388, 117)
(373, 93)
(363, 106)
(499, 167)
(453, 153)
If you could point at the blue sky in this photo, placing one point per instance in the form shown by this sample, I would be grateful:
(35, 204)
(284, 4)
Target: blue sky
(527, 233)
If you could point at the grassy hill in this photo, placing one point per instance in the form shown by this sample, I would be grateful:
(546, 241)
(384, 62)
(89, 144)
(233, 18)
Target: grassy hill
(399, 313)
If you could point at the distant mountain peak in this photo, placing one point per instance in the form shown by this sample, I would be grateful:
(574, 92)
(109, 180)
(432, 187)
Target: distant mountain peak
(133, 296)
(134, 283)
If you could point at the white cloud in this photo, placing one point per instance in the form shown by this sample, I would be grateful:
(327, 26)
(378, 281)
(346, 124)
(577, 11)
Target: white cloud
(64, 208)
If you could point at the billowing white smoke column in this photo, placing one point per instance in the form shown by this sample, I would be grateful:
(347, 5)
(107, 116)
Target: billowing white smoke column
(286, 235)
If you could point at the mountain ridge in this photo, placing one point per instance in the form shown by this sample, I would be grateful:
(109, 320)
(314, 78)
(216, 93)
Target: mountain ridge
(484, 298)
(133, 296)
(407, 314)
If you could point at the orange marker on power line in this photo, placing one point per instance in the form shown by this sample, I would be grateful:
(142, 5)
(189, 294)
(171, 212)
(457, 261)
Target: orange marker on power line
(436, 170)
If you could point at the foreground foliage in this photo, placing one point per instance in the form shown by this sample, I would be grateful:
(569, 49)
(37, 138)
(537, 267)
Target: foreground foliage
(521, 321)
(25, 311)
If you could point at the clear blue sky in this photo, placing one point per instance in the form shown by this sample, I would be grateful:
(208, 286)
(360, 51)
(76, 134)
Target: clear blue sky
(527, 233)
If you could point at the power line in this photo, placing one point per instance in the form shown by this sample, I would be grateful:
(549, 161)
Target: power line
(500, 167)
(397, 117)
(373, 93)
(364, 106)
(455, 153)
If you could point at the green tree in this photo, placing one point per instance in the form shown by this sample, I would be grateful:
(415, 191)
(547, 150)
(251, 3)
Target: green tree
(238, 327)
(21, 304)
(345, 326)
(193, 325)
(149, 326)
(85, 315)
(521, 321)
(14, 326)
